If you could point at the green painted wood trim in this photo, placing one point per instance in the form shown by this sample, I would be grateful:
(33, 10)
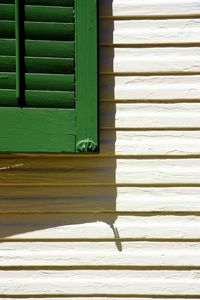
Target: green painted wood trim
(37, 130)
(86, 75)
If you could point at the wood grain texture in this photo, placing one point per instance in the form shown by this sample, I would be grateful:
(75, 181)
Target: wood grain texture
(141, 8)
(102, 254)
(98, 226)
(110, 282)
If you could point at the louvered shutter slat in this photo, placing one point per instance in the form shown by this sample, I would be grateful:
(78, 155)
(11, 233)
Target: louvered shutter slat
(7, 29)
(58, 49)
(7, 63)
(7, 11)
(8, 98)
(49, 31)
(34, 48)
(49, 14)
(7, 46)
(51, 82)
(48, 28)
(65, 3)
(39, 98)
(49, 65)
(38, 13)
(43, 70)
(7, 56)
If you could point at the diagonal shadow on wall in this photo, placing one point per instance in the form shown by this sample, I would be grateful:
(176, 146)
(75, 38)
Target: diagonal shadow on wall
(40, 193)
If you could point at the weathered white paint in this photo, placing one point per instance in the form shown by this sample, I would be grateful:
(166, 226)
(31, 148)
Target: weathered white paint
(99, 226)
(74, 192)
(150, 142)
(150, 115)
(150, 87)
(135, 254)
(150, 31)
(98, 199)
(152, 59)
(141, 8)
(105, 171)
(111, 282)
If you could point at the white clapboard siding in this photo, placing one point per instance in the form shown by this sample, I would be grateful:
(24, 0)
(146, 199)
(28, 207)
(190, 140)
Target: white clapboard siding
(95, 298)
(104, 171)
(125, 222)
(111, 282)
(98, 226)
(150, 87)
(132, 254)
(150, 31)
(146, 115)
(150, 59)
(140, 8)
(150, 142)
(98, 199)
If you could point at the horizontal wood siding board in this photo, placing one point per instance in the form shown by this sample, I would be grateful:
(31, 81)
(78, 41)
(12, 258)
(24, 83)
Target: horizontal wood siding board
(98, 282)
(61, 49)
(151, 59)
(138, 143)
(150, 87)
(150, 116)
(98, 226)
(149, 8)
(99, 171)
(41, 130)
(155, 200)
(45, 201)
(101, 254)
(149, 31)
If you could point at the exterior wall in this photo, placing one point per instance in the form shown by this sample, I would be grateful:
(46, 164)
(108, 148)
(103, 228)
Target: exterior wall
(125, 222)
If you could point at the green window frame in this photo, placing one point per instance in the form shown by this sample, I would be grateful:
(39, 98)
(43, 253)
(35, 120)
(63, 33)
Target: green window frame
(52, 129)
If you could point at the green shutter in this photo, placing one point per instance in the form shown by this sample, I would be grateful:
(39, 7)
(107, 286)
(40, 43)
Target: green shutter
(48, 76)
